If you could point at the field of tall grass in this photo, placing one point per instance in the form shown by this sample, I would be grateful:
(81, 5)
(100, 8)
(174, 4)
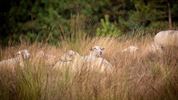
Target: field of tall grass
(140, 76)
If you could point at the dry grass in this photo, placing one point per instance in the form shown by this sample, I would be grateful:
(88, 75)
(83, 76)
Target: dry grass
(134, 77)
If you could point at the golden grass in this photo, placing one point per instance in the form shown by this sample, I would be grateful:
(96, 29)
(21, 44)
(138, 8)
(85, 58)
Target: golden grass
(134, 77)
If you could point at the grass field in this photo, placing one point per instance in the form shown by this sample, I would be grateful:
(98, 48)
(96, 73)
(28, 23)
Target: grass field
(141, 76)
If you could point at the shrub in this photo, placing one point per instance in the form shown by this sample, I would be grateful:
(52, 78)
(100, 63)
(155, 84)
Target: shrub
(107, 28)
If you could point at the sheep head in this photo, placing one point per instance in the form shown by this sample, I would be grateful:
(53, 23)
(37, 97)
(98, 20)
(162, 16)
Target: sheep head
(24, 54)
(96, 51)
(21, 56)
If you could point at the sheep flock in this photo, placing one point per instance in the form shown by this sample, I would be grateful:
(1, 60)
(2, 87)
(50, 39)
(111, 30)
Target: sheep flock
(95, 59)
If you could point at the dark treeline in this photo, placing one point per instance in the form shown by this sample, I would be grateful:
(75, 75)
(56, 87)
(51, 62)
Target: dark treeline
(52, 20)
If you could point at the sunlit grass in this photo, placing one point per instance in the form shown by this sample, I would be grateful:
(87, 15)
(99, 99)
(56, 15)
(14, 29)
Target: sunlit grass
(134, 77)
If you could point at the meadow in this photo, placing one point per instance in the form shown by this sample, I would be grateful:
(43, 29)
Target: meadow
(140, 76)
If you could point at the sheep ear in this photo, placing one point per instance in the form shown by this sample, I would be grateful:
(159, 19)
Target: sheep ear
(91, 49)
(102, 48)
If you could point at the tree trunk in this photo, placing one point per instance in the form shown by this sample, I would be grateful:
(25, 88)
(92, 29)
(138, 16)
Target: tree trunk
(169, 14)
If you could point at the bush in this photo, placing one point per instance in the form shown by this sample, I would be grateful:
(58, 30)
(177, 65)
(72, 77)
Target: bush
(107, 28)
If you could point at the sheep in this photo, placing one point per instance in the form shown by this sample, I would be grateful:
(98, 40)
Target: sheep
(75, 61)
(95, 59)
(70, 55)
(19, 59)
(130, 49)
(95, 51)
(68, 58)
(166, 38)
(99, 63)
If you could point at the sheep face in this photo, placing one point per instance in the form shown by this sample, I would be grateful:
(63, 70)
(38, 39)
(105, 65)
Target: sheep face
(24, 53)
(96, 51)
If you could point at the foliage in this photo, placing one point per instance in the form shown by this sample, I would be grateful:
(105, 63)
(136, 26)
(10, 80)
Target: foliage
(107, 28)
(50, 20)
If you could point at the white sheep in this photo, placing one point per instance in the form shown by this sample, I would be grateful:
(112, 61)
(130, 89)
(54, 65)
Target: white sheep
(70, 55)
(95, 59)
(19, 59)
(73, 60)
(131, 49)
(166, 38)
(68, 58)
(99, 63)
(95, 52)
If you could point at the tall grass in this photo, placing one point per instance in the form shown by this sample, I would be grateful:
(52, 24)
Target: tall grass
(134, 77)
